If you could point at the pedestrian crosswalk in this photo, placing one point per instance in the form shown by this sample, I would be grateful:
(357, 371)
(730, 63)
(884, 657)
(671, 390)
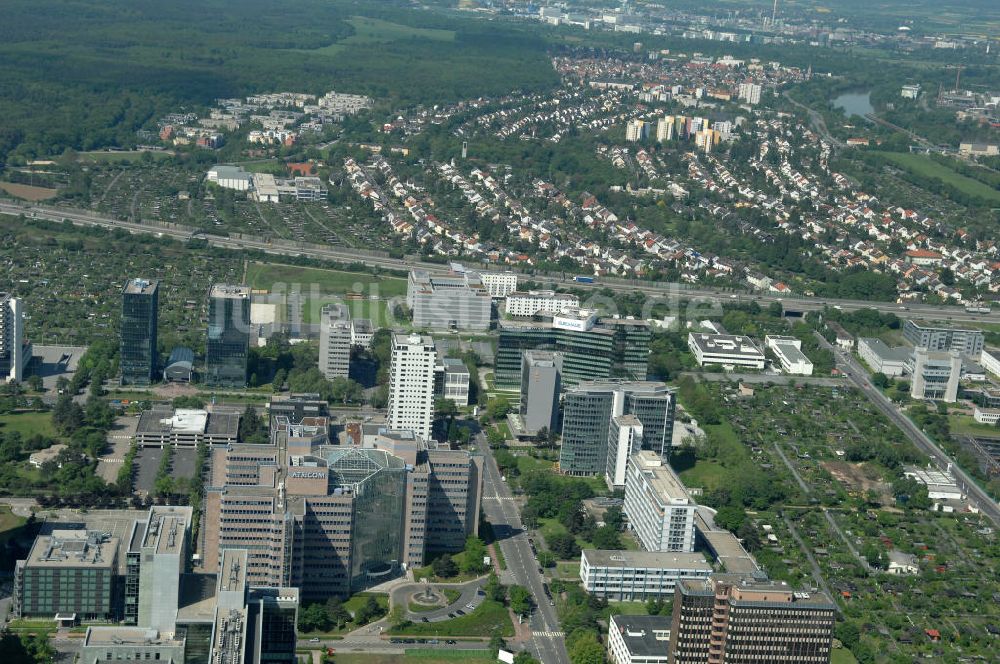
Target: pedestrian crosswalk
(498, 498)
(551, 635)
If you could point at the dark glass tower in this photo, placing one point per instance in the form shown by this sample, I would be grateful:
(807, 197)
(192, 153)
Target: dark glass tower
(140, 306)
(228, 336)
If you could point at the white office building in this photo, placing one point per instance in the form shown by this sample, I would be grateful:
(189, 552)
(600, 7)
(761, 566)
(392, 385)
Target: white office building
(362, 332)
(990, 359)
(624, 440)
(935, 375)
(891, 361)
(411, 383)
(659, 508)
(499, 284)
(455, 301)
(335, 341)
(636, 576)
(639, 639)
(15, 352)
(788, 350)
(726, 350)
(529, 303)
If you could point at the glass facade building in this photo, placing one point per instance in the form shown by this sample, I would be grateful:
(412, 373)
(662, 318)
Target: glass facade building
(140, 306)
(228, 341)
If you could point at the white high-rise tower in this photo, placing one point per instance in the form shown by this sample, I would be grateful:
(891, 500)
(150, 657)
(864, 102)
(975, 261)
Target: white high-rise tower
(411, 383)
(14, 352)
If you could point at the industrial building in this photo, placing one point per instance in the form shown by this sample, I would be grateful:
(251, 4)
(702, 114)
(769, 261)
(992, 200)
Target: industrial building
(140, 309)
(735, 619)
(788, 350)
(15, 350)
(659, 508)
(967, 342)
(456, 302)
(891, 361)
(726, 350)
(591, 347)
(228, 341)
(588, 409)
(636, 576)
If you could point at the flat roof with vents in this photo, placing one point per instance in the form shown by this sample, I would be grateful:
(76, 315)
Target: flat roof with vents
(74, 548)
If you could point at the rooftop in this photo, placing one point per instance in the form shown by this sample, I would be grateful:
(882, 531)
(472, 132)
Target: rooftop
(141, 286)
(661, 477)
(725, 343)
(644, 636)
(229, 291)
(884, 352)
(121, 636)
(646, 560)
(74, 548)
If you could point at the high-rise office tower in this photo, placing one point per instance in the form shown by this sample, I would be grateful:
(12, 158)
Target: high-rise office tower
(228, 341)
(15, 353)
(587, 412)
(335, 341)
(140, 309)
(733, 619)
(624, 440)
(411, 383)
(540, 373)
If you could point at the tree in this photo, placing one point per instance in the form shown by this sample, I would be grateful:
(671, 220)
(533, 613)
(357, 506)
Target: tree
(497, 642)
(614, 518)
(314, 619)
(494, 589)
(251, 428)
(337, 613)
(397, 617)
(880, 380)
(524, 657)
(520, 600)
(563, 545)
(498, 408)
(35, 383)
(606, 537)
(546, 559)
(444, 567)
(731, 518)
(585, 649)
(847, 633)
(369, 611)
(472, 557)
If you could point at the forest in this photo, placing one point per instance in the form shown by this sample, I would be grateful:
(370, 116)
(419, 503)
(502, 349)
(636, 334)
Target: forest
(83, 74)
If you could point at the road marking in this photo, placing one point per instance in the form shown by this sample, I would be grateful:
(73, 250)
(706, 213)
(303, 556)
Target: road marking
(549, 635)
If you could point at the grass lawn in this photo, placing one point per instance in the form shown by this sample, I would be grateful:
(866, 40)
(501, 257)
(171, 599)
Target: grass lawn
(567, 570)
(451, 594)
(330, 282)
(9, 524)
(128, 155)
(924, 166)
(526, 464)
(842, 656)
(487, 617)
(551, 526)
(28, 424)
(28, 192)
(428, 656)
(427, 572)
(504, 428)
(965, 425)
(627, 609)
(705, 474)
(357, 601)
(414, 607)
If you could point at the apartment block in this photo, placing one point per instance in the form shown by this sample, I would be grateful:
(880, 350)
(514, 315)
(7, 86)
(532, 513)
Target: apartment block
(660, 510)
(411, 383)
(499, 284)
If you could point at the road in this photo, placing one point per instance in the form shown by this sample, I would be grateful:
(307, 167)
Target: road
(469, 599)
(818, 123)
(859, 376)
(704, 297)
(502, 511)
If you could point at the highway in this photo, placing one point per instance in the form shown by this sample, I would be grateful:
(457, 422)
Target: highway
(501, 510)
(859, 376)
(701, 300)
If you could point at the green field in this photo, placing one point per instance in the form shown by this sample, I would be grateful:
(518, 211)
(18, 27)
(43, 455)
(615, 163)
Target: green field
(965, 425)
(842, 656)
(28, 424)
(330, 282)
(706, 474)
(9, 524)
(127, 155)
(487, 617)
(924, 166)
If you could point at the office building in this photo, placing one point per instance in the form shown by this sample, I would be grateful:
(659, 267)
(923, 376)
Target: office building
(891, 361)
(411, 383)
(499, 284)
(335, 341)
(588, 409)
(636, 576)
(15, 351)
(967, 342)
(156, 559)
(624, 440)
(750, 93)
(451, 381)
(659, 508)
(362, 332)
(591, 348)
(540, 386)
(70, 574)
(105, 644)
(452, 302)
(935, 374)
(528, 303)
(228, 340)
(339, 519)
(726, 350)
(733, 619)
(788, 350)
(140, 307)
(186, 427)
(638, 639)
(297, 406)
